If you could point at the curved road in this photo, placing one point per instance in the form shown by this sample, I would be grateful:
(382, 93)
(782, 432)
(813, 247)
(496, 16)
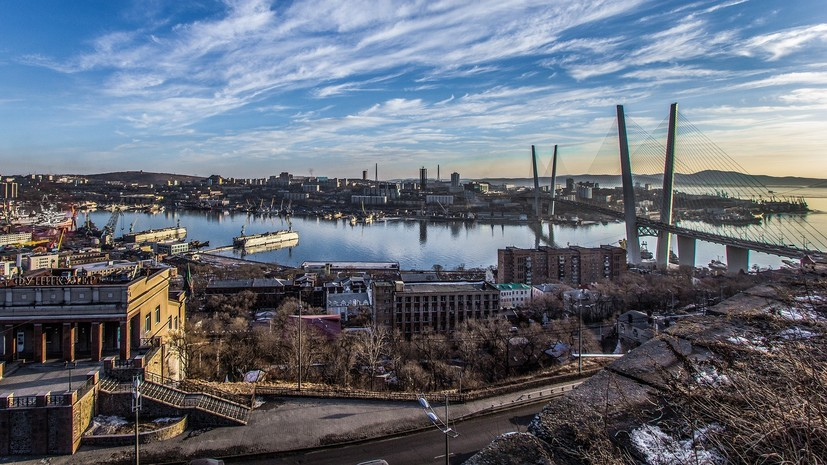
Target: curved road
(418, 448)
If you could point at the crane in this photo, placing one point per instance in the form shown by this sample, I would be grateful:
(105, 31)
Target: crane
(109, 229)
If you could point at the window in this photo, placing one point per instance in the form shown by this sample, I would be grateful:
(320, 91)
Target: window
(158, 314)
(148, 323)
(169, 322)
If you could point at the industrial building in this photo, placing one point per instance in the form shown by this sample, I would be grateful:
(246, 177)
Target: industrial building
(417, 308)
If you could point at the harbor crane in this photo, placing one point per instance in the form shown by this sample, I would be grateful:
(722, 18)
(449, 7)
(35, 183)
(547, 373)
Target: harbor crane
(109, 229)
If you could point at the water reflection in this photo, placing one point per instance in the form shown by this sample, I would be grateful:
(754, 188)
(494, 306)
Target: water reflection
(419, 243)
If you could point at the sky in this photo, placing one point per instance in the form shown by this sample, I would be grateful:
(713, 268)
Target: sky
(250, 88)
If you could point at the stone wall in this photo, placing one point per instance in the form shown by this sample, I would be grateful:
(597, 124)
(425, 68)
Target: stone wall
(162, 434)
(83, 411)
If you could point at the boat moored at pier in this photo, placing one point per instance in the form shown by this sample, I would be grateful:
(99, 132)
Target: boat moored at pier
(264, 239)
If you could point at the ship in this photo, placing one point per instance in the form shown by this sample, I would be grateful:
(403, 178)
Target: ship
(268, 238)
(717, 265)
(270, 246)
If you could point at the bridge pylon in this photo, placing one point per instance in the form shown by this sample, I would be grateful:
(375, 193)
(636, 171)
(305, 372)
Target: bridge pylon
(537, 213)
(662, 255)
(553, 182)
(630, 213)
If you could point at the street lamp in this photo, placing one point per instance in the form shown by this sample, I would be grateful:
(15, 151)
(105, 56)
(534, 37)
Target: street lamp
(136, 406)
(70, 365)
(442, 426)
(299, 309)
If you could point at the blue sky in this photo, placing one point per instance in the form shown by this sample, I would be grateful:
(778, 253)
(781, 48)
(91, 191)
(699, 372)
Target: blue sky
(253, 88)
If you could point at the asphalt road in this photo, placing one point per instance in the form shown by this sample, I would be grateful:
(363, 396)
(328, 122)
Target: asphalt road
(419, 448)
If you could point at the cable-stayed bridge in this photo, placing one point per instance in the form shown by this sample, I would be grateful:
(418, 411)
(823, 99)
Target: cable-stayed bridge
(703, 194)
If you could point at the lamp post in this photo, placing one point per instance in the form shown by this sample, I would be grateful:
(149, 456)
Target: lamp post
(70, 365)
(136, 406)
(299, 310)
(442, 426)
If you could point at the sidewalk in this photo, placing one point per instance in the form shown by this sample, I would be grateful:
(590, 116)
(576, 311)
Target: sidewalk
(299, 423)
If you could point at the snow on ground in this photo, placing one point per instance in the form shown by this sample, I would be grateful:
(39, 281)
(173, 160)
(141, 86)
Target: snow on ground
(659, 448)
(795, 334)
(757, 344)
(709, 376)
(108, 424)
(112, 424)
(805, 307)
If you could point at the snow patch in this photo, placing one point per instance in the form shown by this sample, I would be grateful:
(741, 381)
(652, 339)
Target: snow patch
(108, 424)
(710, 377)
(659, 448)
(757, 344)
(258, 402)
(795, 333)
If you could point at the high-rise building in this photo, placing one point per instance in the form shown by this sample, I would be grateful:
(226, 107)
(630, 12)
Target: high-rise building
(423, 177)
(454, 179)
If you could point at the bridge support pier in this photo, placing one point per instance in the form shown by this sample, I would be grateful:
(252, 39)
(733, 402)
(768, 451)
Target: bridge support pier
(686, 252)
(737, 259)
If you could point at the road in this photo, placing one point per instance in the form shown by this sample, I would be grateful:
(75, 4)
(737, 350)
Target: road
(419, 448)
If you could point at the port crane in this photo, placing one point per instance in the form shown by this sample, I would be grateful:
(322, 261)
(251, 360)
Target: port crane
(109, 229)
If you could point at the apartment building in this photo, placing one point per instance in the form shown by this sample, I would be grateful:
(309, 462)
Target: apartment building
(437, 306)
(570, 265)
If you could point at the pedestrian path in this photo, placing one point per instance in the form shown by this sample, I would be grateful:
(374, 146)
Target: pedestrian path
(297, 423)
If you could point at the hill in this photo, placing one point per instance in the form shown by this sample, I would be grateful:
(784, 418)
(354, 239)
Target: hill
(144, 177)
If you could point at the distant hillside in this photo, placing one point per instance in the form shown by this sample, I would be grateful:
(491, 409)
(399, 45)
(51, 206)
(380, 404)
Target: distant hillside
(709, 177)
(144, 177)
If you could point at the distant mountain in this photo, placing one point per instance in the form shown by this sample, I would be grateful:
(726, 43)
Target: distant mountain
(144, 177)
(708, 177)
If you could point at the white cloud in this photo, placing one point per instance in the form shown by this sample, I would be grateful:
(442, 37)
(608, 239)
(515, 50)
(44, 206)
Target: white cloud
(780, 44)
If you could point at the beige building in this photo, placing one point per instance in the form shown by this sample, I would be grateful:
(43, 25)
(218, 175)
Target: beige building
(69, 317)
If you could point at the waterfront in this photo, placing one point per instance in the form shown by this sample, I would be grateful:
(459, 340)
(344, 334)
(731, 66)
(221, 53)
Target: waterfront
(419, 244)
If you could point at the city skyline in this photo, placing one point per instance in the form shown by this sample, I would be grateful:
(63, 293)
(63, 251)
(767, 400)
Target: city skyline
(252, 88)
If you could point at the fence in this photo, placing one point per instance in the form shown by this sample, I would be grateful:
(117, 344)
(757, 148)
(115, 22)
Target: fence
(455, 397)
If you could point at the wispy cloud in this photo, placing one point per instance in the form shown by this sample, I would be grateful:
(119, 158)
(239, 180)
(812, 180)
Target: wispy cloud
(782, 43)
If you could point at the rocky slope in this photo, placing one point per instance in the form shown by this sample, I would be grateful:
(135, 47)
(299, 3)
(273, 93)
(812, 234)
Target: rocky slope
(744, 384)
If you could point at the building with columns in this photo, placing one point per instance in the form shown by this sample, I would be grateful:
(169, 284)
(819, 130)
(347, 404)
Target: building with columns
(73, 317)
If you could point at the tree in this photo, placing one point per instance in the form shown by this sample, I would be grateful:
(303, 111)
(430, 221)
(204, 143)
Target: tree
(371, 348)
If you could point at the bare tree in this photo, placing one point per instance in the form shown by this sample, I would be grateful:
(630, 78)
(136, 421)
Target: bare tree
(371, 347)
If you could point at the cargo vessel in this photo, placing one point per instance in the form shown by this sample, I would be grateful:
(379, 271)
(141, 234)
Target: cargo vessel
(268, 238)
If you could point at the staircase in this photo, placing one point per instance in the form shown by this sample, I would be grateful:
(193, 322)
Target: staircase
(173, 397)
